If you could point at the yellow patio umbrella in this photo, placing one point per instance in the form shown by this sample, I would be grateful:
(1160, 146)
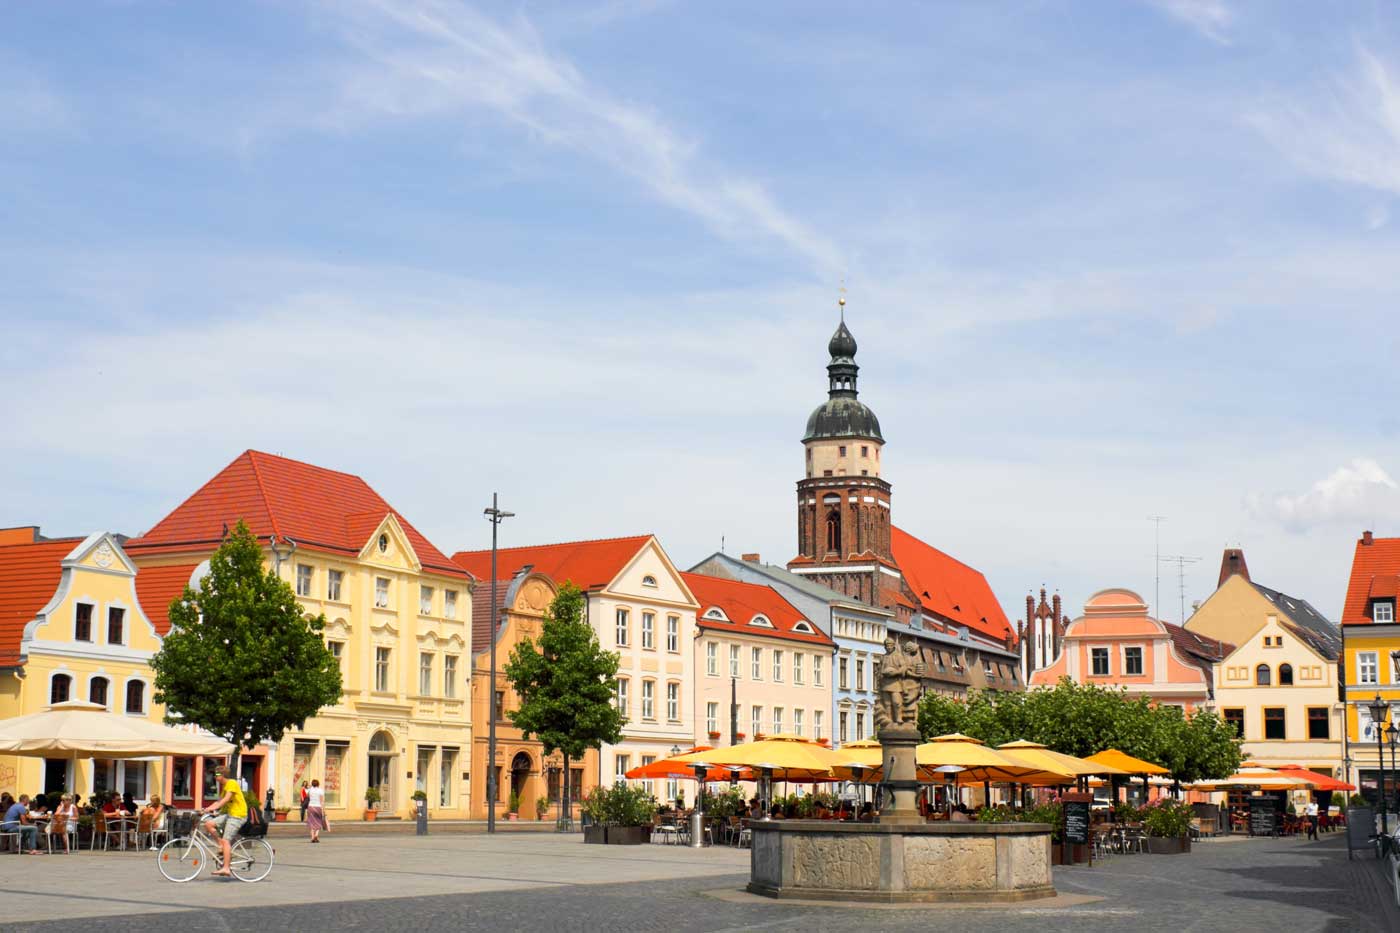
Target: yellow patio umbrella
(782, 757)
(1125, 763)
(979, 763)
(1039, 756)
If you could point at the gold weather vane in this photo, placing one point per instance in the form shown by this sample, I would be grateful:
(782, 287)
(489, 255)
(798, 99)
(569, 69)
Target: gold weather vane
(841, 300)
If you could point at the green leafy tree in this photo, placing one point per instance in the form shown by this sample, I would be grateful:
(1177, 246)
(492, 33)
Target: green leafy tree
(566, 685)
(242, 658)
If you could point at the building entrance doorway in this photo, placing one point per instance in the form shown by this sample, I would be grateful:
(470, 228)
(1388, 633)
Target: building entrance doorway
(519, 775)
(381, 769)
(56, 775)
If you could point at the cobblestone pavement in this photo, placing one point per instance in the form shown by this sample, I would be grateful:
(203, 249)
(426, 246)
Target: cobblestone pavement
(553, 883)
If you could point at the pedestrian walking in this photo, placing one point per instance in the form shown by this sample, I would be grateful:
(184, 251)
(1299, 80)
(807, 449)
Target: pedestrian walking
(1310, 817)
(303, 801)
(315, 810)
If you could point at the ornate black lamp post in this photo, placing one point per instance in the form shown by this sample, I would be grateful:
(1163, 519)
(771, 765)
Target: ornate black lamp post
(1392, 737)
(495, 515)
(1380, 710)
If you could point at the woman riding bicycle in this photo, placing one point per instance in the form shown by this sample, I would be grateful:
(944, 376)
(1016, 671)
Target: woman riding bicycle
(234, 813)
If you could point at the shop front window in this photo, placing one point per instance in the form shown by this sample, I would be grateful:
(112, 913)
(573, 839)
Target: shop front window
(335, 769)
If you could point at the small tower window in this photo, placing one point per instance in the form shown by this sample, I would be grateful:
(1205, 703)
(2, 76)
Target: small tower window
(841, 450)
(833, 531)
(864, 450)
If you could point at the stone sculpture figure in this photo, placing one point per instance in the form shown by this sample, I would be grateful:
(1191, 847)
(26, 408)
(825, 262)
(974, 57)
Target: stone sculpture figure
(899, 685)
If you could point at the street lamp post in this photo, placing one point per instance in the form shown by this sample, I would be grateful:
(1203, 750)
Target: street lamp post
(1346, 801)
(1392, 736)
(1380, 709)
(495, 516)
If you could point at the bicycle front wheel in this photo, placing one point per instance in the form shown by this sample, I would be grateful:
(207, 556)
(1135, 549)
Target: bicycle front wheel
(180, 860)
(251, 860)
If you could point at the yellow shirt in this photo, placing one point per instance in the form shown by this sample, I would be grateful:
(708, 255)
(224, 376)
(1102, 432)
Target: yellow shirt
(236, 807)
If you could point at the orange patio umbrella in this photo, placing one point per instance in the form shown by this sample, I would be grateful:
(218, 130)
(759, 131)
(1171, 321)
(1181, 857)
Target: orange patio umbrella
(1125, 763)
(668, 768)
(1322, 782)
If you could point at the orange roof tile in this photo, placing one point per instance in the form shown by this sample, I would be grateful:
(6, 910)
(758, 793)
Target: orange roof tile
(740, 602)
(320, 509)
(1379, 558)
(29, 577)
(157, 587)
(589, 565)
(948, 587)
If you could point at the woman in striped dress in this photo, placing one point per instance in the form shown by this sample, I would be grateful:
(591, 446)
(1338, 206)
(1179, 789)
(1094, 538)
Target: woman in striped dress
(315, 810)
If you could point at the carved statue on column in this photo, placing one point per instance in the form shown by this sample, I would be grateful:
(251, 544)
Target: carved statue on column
(899, 684)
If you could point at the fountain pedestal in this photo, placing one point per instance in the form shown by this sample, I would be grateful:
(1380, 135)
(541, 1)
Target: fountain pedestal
(898, 742)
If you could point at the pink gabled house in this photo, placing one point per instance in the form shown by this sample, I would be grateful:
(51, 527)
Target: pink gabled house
(1115, 643)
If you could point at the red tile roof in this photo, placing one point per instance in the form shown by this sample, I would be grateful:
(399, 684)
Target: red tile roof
(320, 509)
(29, 577)
(1379, 558)
(157, 587)
(740, 602)
(1198, 646)
(589, 565)
(481, 612)
(948, 587)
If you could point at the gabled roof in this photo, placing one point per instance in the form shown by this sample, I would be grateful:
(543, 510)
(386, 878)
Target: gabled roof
(1305, 622)
(742, 602)
(797, 581)
(481, 612)
(29, 577)
(320, 509)
(589, 565)
(947, 587)
(1374, 557)
(1198, 647)
(157, 587)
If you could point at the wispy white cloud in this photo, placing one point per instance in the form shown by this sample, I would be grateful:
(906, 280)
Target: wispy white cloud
(441, 56)
(1359, 492)
(1351, 130)
(1210, 18)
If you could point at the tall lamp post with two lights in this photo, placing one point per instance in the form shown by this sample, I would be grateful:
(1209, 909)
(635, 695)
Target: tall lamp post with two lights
(1380, 709)
(495, 515)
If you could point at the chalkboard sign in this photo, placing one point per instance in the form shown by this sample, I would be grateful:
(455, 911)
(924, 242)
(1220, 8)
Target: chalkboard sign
(1077, 822)
(1263, 816)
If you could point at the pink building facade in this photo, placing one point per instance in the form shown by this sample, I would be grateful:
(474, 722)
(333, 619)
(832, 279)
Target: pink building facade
(1115, 643)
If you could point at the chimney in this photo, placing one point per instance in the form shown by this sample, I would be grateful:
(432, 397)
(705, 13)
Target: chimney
(1232, 564)
(29, 534)
(1366, 539)
(750, 559)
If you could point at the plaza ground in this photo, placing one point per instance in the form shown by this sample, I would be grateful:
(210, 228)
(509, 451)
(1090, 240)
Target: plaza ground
(532, 881)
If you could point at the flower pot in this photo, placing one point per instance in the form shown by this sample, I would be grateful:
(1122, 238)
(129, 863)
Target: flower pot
(595, 834)
(627, 835)
(1163, 845)
(371, 815)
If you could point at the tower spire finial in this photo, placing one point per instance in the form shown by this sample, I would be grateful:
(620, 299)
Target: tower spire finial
(841, 300)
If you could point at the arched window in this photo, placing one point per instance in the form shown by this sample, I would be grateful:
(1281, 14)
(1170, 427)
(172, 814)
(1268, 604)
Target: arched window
(1262, 675)
(135, 696)
(1285, 675)
(97, 690)
(60, 688)
(833, 531)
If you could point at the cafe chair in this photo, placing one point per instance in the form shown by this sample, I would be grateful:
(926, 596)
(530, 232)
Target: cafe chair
(61, 827)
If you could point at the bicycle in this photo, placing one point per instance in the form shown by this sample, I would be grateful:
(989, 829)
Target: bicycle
(190, 848)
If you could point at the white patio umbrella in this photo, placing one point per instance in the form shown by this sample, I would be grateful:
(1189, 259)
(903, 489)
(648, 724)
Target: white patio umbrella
(78, 729)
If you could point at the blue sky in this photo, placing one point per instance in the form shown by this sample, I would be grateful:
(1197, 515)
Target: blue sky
(1104, 261)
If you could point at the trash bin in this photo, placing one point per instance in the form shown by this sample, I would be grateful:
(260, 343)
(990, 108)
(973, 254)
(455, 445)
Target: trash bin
(422, 815)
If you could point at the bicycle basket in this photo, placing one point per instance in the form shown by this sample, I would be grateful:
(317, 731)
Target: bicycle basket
(181, 824)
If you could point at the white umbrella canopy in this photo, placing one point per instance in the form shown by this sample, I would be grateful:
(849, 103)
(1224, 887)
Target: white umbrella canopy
(79, 729)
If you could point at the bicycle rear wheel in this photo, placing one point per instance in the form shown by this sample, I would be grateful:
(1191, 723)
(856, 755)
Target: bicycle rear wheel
(180, 860)
(251, 860)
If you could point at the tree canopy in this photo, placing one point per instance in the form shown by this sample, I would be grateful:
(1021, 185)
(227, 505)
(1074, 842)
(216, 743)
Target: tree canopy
(566, 685)
(242, 658)
(1080, 720)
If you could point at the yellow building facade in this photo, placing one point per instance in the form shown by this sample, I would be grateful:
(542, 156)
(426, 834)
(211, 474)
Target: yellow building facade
(398, 616)
(1279, 683)
(73, 628)
(1371, 655)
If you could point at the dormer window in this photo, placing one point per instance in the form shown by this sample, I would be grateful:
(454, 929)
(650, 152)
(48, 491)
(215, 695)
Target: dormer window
(803, 627)
(717, 614)
(761, 621)
(1383, 611)
(649, 580)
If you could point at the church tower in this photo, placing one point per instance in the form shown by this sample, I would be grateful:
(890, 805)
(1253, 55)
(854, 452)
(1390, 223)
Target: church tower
(843, 506)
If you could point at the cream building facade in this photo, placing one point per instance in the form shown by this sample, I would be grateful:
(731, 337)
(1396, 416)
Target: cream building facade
(398, 617)
(1279, 686)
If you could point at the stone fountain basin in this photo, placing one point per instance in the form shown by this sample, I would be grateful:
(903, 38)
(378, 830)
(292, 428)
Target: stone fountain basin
(822, 860)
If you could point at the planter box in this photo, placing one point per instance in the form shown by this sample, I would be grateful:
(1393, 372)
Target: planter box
(1161, 845)
(617, 835)
(596, 835)
(280, 816)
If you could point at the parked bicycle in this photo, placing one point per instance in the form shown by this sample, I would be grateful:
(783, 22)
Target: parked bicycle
(188, 851)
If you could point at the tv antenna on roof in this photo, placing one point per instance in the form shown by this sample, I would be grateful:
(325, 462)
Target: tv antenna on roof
(1157, 569)
(1181, 561)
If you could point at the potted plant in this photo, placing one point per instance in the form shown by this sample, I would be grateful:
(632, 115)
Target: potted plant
(541, 807)
(714, 735)
(371, 798)
(513, 806)
(1168, 826)
(622, 815)
(280, 814)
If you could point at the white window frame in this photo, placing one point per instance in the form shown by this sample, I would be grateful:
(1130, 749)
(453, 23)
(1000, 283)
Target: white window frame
(425, 600)
(816, 670)
(648, 698)
(711, 659)
(425, 686)
(712, 717)
(799, 673)
(1365, 659)
(383, 593)
(673, 634)
(1142, 661)
(798, 715)
(673, 701)
(623, 624)
(733, 660)
(449, 676)
(92, 621)
(306, 579)
(449, 603)
(648, 631)
(145, 695)
(1107, 662)
(383, 668)
(756, 722)
(777, 720)
(756, 663)
(860, 673)
(623, 699)
(1380, 617)
(622, 763)
(777, 665)
(335, 582)
(817, 724)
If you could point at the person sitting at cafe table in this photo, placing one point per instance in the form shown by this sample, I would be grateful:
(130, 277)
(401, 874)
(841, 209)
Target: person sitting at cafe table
(150, 817)
(17, 819)
(65, 819)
